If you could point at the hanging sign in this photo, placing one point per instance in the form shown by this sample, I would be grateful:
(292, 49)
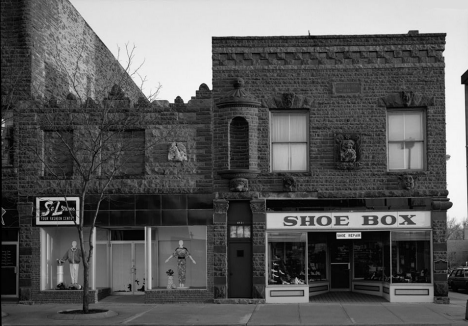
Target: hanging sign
(348, 235)
(57, 210)
(349, 220)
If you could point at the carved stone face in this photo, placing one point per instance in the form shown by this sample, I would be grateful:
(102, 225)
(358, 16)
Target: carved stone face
(238, 185)
(347, 144)
(407, 182)
(406, 98)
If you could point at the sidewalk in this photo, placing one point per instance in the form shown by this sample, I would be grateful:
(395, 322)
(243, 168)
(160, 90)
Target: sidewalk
(379, 313)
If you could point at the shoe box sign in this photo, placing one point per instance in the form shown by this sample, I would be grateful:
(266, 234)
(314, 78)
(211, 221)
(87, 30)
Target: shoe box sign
(349, 220)
(57, 210)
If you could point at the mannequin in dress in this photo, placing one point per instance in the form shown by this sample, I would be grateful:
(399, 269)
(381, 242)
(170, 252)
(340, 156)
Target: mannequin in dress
(73, 256)
(181, 253)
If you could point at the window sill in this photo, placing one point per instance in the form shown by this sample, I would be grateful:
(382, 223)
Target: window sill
(292, 173)
(410, 172)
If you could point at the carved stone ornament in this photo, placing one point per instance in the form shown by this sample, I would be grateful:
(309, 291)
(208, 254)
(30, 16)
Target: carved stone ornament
(258, 206)
(442, 204)
(405, 99)
(239, 185)
(289, 183)
(178, 100)
(220, 206)
(238, 97)
(348, 151)
(177, 152)
(203, 92)
(288, 101)
(407, 181)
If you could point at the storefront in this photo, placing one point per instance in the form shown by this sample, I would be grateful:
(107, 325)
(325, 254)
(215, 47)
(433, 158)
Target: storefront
(387, 254)
(174, 254)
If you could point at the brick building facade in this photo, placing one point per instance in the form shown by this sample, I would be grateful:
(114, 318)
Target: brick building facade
(315, 164)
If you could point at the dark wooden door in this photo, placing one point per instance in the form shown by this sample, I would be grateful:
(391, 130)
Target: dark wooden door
(9, 269)
(240, 270)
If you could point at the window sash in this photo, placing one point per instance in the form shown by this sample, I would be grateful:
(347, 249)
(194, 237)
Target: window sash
(405, 140)
(289, 141)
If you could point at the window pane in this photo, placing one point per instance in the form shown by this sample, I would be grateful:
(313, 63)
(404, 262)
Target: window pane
(396, 156)
(298, 128)
(411, 257)
(317, 257)
(240, 231)
(413, 126)
(415, 156)
(246, 231)
(298, 157)
(395, 126)
(280, 157)
(233, 231)
(280, 128)
(286, 258)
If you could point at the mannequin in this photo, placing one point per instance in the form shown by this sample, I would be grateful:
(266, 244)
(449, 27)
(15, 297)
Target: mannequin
(73, 256)
(181, 253)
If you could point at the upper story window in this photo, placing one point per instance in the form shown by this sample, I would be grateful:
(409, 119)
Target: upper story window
(124, 153)
(58, 158)
(289, 142)
(7, 138)
(406, 140)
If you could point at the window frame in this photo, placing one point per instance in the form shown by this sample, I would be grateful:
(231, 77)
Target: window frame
(306, 114)
(144, 151)
(423, 113)
(48, 174)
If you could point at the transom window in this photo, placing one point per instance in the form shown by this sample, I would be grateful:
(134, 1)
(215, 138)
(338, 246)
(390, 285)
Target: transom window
(289, 141)
(406, 139)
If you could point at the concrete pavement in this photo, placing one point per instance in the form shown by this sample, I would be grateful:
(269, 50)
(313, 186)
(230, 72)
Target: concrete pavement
(379, 313)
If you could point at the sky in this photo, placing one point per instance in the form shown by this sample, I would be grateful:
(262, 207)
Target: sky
(173, 39)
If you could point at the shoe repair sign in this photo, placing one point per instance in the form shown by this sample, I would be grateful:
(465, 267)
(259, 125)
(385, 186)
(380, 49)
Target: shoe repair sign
(57, 210)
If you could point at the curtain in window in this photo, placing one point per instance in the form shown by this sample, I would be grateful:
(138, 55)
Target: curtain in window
(289, 142)
(405, 140)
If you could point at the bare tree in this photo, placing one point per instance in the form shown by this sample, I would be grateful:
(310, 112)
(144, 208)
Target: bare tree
(78, 146)
(455, 229)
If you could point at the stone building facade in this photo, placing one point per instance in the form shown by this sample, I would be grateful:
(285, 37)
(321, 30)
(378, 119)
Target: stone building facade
(316, 163)
(346, 90)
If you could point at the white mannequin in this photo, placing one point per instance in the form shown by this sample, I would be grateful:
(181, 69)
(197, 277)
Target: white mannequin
(181, 252)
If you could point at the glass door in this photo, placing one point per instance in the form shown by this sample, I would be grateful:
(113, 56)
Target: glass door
(128, 267)
(340, 264)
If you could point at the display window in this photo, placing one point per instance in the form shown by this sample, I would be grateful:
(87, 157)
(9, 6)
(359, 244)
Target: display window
(179, 257)
(317, 256)
(61, 261)
(411, 257)
(371, 257)
(287, 258)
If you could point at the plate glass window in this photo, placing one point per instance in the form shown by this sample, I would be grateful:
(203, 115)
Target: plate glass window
(406, 140)
(289, 141)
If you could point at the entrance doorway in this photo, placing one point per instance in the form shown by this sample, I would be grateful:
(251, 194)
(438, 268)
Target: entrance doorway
(9, 269)
(240, 270)
(340, 251)
(240, 264)
(128, 267)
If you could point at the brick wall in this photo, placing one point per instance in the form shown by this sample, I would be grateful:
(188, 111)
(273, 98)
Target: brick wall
(48, 49)
(164, 123)
(312, 68)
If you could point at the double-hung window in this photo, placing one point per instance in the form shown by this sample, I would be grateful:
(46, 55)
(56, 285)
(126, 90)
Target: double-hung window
(406, 140)
(289, 142)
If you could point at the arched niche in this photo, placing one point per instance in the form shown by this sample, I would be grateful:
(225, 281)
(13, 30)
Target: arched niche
(239, 143)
